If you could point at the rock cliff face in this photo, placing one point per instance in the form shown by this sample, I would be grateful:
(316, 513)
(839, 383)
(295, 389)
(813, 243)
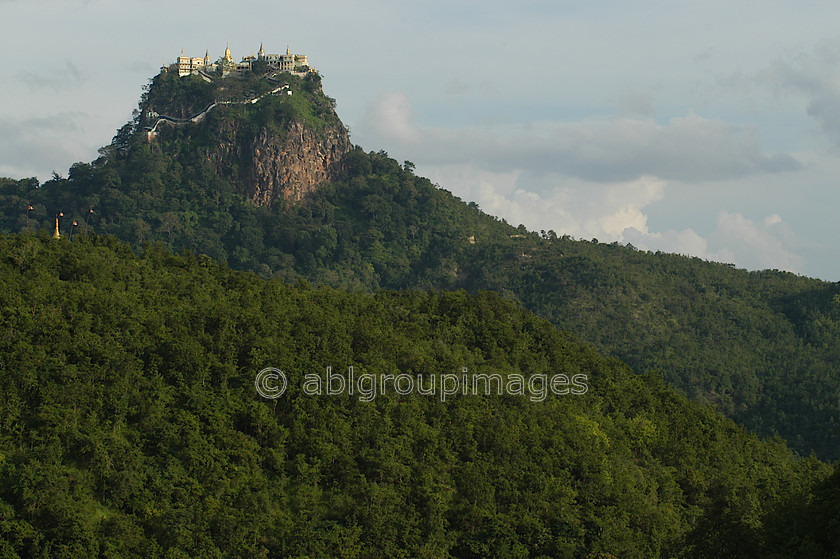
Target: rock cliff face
(293, 166)
(274, 166)
(268, 143)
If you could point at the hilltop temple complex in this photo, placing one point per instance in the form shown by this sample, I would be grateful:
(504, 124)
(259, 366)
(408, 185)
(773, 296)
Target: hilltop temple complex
(293, 63)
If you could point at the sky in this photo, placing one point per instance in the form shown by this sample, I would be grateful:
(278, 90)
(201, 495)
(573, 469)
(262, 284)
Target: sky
(709, 128)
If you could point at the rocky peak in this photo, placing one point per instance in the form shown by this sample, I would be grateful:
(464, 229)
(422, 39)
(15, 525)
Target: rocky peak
(274, 137)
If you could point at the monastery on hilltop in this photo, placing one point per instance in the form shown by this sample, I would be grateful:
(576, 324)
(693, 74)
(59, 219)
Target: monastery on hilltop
(294, 63)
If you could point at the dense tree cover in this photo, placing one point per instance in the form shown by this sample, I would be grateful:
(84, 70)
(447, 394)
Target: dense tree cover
(763, 347)
(184, 97)
(130, 426)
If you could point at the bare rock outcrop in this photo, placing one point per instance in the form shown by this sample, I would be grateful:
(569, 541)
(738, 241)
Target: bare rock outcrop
(292, 167)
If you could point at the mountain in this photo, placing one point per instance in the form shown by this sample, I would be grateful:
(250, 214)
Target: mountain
(130, 426)
(763, 347)
(283, 148)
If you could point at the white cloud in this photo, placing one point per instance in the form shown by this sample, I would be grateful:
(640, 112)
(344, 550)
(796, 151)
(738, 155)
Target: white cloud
(758, 245)
(391, 116)
(575, 207)
(563, 110)
(768, 244)
(615, 212)
(596, 179)
(686, 241)
(690, 148)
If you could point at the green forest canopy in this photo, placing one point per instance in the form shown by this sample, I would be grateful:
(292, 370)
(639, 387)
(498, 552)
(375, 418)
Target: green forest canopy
(761, 346)
(130, 426)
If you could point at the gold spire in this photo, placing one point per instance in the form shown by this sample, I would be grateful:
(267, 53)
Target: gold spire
(228, 57)
(262, 51)
(56, 235)
(287, 49)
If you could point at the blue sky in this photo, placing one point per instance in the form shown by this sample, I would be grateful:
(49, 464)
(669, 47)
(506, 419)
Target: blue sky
(709, 129)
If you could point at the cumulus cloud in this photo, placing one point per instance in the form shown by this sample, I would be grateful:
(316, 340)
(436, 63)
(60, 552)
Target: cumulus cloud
(686, 241)
(579, 208)
(689, 148)
(757, 245)
(615, 212)
(595, 179)
(391, 117)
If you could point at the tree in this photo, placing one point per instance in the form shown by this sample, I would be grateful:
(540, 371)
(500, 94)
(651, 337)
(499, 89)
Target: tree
(259, 67)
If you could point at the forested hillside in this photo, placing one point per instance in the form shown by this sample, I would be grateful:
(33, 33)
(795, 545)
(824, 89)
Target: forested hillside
(130, 426)
(763, 347)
